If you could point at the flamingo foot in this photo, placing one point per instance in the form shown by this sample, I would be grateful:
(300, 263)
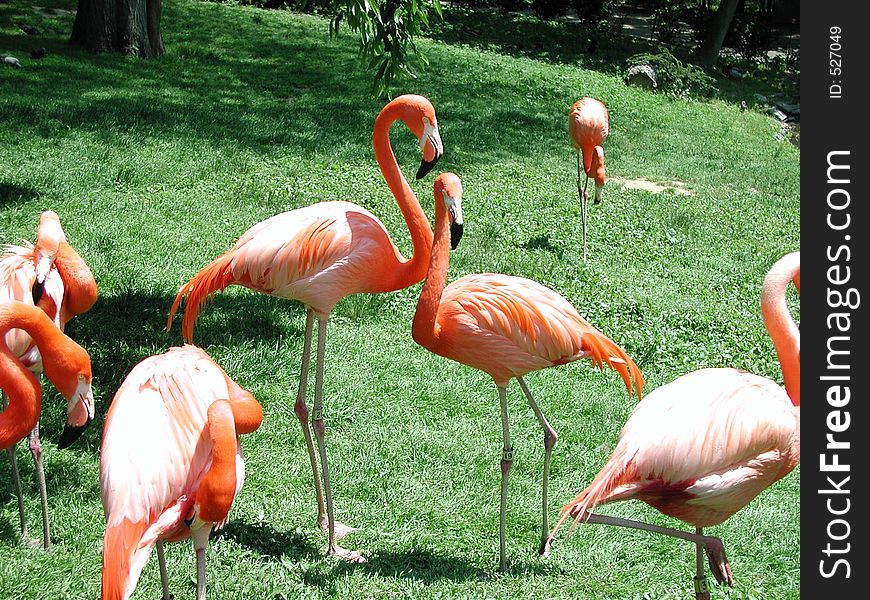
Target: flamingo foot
(718, 562)
(341, 530)
(351, 556)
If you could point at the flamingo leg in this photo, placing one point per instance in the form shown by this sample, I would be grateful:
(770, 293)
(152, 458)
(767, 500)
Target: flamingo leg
(584, 200)
(712, 545)
(36, 451)
(16, 478)
(507, 459)
(319, 429)
(550, 438)
(200, 573)
(164, 578)
(702, 592)
(301, 410)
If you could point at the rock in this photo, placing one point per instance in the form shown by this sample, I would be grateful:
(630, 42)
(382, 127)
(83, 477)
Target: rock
(37, 53)
(28, 29)
(734, 73)
(643, 75)
(775, 112)
(11, 61)
(761, 99)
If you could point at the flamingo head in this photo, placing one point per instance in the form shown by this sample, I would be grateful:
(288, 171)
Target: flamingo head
(598, 172)
(70, 372)
(448, 189)
(49, 237)
(419, 115)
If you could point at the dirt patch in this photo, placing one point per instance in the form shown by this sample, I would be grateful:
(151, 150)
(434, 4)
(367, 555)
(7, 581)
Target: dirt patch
(675, 187)
(52, 13)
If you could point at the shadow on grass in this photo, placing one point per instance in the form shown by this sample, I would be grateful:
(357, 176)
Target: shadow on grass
(420, 564)
(122, 330)
(11, 193)
(265, 540)
(542, 242)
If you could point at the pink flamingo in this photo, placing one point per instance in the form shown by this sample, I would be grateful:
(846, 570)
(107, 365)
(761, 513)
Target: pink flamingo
(52, 276)
(170, 463)
(320, 254)
(65, 363)
(588, 126)
(507, 327)
(703, 446)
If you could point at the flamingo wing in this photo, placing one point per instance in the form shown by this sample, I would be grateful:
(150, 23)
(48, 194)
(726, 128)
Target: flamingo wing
(518, 326)
(17, 276)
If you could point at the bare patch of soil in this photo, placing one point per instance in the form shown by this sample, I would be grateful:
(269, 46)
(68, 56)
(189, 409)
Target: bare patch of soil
(675, 187)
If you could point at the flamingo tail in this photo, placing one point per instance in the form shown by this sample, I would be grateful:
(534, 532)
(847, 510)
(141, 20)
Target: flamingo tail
(611, 483)
(124, 558)
(214, 277)
(604, 351)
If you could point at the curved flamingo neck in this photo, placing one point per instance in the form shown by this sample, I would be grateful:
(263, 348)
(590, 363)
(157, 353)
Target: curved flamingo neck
(780, 324)
(80, 288)
(218, 487)
(19, 384)
(425, 328)
(414, 269)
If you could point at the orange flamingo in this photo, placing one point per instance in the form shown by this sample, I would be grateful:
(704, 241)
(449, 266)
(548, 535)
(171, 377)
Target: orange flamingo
(65, 363)
(52, 276)
(507, 327)
(320, 254)
(703, 446)
(588, 126)
(170, 463)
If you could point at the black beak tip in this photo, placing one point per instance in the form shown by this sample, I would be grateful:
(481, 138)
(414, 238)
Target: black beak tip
(425, 167)
(37, 291)
(455, 235)
(71, 434)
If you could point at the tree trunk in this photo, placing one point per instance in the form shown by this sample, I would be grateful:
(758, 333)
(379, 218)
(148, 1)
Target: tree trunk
(708, 54)
(125, 26)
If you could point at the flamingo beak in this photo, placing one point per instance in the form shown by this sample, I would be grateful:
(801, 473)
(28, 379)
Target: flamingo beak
(80, 413)
(44, 263)
(456, 225)
(597, 198)
(432, 147)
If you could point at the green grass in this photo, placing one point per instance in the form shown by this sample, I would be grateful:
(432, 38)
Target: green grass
(157, 166)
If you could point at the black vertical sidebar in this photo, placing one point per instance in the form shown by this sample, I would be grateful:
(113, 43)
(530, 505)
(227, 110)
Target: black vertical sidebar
(835, 53)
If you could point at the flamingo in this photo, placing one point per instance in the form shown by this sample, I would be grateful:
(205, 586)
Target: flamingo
(51, 275)
(703, 446)
(506, 327)
(170, 463)
(320, 254)
(65, 363)
(588, 126)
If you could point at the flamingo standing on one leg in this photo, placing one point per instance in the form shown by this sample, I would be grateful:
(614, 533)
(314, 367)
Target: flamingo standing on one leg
(588, 126)
(703, 446)
(65, 363)
(507, 327)
(170, 463)
(320, 254)
(52, 276)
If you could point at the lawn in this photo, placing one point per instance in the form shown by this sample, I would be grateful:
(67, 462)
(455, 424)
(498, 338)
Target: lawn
(155, 167)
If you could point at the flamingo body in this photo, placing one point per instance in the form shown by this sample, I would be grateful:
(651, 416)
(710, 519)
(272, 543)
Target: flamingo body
(317, 255)
(509, 326)
(155, 454)
(701, 447)
(588, 126)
